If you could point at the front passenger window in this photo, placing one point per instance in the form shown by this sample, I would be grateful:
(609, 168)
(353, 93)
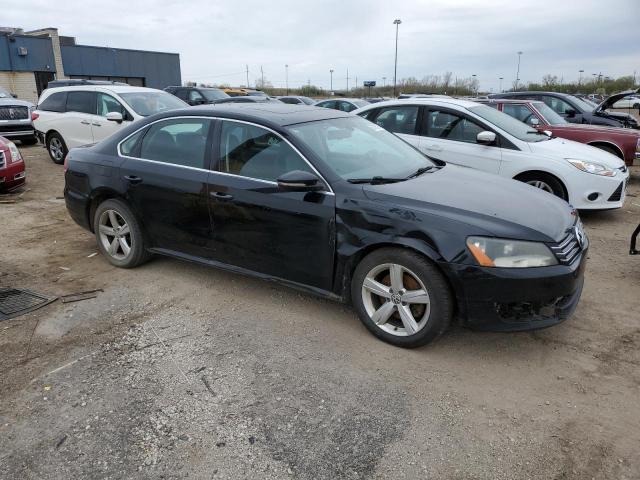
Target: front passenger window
(177, 141)
(253, 152)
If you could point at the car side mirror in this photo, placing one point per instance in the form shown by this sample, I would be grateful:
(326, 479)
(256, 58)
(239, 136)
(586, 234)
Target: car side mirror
(299, 181)
(115, 117)
(14, 95)
(199, 101)
(570, 112)
(486, 138)
(535, 122)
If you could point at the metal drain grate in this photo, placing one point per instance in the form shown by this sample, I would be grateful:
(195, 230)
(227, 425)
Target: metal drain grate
(14, 302)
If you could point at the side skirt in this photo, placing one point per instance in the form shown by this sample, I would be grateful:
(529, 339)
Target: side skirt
(249, 273)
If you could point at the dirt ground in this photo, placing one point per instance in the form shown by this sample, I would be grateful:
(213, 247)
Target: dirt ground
(176, 370)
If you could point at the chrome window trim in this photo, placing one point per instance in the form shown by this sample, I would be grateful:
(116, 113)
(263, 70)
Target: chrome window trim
(120, 154)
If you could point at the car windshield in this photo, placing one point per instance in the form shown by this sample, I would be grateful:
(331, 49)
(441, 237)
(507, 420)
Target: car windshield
(355, 148)
(148, 103)
(549, 114)
(581, 104)
(513, 127)
(213, 93)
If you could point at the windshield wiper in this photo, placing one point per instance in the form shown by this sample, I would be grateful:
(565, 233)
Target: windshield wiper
(375, 180)
(420, 171)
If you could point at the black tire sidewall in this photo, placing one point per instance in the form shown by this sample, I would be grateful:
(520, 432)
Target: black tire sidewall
(138, 247)
(65, 150)
(550, 180)
(435, 283)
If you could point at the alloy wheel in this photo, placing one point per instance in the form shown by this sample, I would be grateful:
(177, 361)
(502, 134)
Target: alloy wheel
(56, 149)
(541, 185)
(114, 234)
(396, 300)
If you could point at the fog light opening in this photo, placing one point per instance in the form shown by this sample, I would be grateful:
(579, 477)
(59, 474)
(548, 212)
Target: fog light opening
(592, 197)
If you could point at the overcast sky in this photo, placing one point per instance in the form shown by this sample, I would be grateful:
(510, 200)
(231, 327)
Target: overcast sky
(216, 39)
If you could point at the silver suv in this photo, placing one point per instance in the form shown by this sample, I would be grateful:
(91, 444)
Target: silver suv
(15, 119)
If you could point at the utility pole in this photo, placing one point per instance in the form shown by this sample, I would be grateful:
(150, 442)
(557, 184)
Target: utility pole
(247, 75)
(580, 72)
(347, 79)
(501, 78)
(356, 87)
(384, 82)
(397, 23)
(331, 84)
(262, 77)
(286, 73)
(518, 72)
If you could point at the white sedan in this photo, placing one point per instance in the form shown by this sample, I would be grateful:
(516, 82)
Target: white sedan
(479, 136)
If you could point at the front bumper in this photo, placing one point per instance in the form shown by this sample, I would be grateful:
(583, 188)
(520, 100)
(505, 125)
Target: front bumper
(600, 193)
(12, 176)
(512, 299)
(17, 129)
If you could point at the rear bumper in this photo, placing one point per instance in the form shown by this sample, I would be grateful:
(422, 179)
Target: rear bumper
(513, 299)
(78, 207)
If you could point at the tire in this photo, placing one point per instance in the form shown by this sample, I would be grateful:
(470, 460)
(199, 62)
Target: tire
(636, 105)
(29, 140)
(609, 149)
(56, 147)
(545, 182)
(431, 313)
(124, 246)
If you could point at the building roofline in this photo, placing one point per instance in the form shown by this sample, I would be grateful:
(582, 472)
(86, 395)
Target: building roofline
(116, 48)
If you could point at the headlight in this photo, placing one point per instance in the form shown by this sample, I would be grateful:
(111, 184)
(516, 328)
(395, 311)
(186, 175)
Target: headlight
(15, 153)
(498, 252)
(591, 167)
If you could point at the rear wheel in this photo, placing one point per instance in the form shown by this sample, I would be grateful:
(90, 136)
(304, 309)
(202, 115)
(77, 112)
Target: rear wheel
(119, 236)
(545, 182)
(401, 297)
(56, 147)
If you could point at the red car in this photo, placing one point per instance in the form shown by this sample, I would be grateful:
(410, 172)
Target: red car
(12, 173)
(622, 142)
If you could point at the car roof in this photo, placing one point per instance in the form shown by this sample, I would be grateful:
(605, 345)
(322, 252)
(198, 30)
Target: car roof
(421, 100)
(278, 114)
(507, 100)
(101, 88)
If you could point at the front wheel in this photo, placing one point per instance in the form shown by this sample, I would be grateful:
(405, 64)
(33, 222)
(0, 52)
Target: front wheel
(119, 235)
(545, 182)
(401, 297)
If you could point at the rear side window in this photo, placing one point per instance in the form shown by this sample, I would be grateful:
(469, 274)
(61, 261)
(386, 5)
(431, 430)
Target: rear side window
(83, 102)
(54, 103)
(178, 141)
(131, 146)
(398, 119)
(327, 104)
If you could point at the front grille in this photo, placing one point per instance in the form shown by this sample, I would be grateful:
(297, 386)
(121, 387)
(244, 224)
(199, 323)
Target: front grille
(617, 194)
(14, 113)
(2, 160)
(569, 248)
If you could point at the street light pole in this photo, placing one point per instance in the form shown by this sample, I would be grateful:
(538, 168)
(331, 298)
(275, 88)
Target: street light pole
(501, 78)
(331, 84)
(580, 72)
(286, 73)
(384, 82)
(474, 88)
(397, 23)
(518, 72)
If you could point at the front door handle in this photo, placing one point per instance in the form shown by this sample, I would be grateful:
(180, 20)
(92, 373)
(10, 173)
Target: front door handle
(84, 122)
(132, 179)
(96, 124)
(221, 196)
(433, 148)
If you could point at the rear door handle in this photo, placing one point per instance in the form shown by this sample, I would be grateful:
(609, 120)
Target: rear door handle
(84, 122)
(132, 179)
(221, 196)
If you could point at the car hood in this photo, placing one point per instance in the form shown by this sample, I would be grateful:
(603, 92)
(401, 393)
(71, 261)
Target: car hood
(492, 204)
(561, 148)
(583, 127)
(14, 101)
(608, 103)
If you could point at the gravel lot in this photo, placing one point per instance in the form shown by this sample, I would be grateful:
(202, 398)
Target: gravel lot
(177, 370)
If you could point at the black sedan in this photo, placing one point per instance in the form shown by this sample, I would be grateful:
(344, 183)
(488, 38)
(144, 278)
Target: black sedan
(335, 205)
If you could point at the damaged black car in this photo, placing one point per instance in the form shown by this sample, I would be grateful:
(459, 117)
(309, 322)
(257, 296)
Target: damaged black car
(334, 205)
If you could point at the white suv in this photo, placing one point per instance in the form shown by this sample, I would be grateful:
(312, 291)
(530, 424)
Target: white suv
(479, 136)
(68, 117)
